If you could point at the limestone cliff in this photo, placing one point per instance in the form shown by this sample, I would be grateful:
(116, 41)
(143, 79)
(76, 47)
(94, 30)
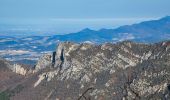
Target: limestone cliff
(125, 70)
(122, 71)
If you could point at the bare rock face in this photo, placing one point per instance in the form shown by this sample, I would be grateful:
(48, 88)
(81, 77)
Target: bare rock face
(19, 69)
(75, 59)
(16, 68)
(43, 62)
(122, 71)
(125, 70)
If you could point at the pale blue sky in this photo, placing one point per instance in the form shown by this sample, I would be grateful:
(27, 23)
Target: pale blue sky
(60, 14)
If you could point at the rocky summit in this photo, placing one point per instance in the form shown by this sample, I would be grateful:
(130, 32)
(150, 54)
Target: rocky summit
(121, 71)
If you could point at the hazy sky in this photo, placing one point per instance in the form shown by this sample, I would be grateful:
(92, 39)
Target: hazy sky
(67, 12)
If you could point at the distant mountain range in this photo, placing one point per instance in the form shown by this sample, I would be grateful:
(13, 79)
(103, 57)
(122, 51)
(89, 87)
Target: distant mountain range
(148, 31)
(31, 47)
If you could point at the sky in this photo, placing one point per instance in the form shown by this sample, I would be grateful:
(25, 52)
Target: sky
(64, 16)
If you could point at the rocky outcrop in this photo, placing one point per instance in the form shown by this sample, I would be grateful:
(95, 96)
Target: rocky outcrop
(16, 68)
(19, 69)
(8, 78)
(125, 70)
(43, 62)
(122, 71)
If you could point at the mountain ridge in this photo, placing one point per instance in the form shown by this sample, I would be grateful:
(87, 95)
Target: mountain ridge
(75, 71)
